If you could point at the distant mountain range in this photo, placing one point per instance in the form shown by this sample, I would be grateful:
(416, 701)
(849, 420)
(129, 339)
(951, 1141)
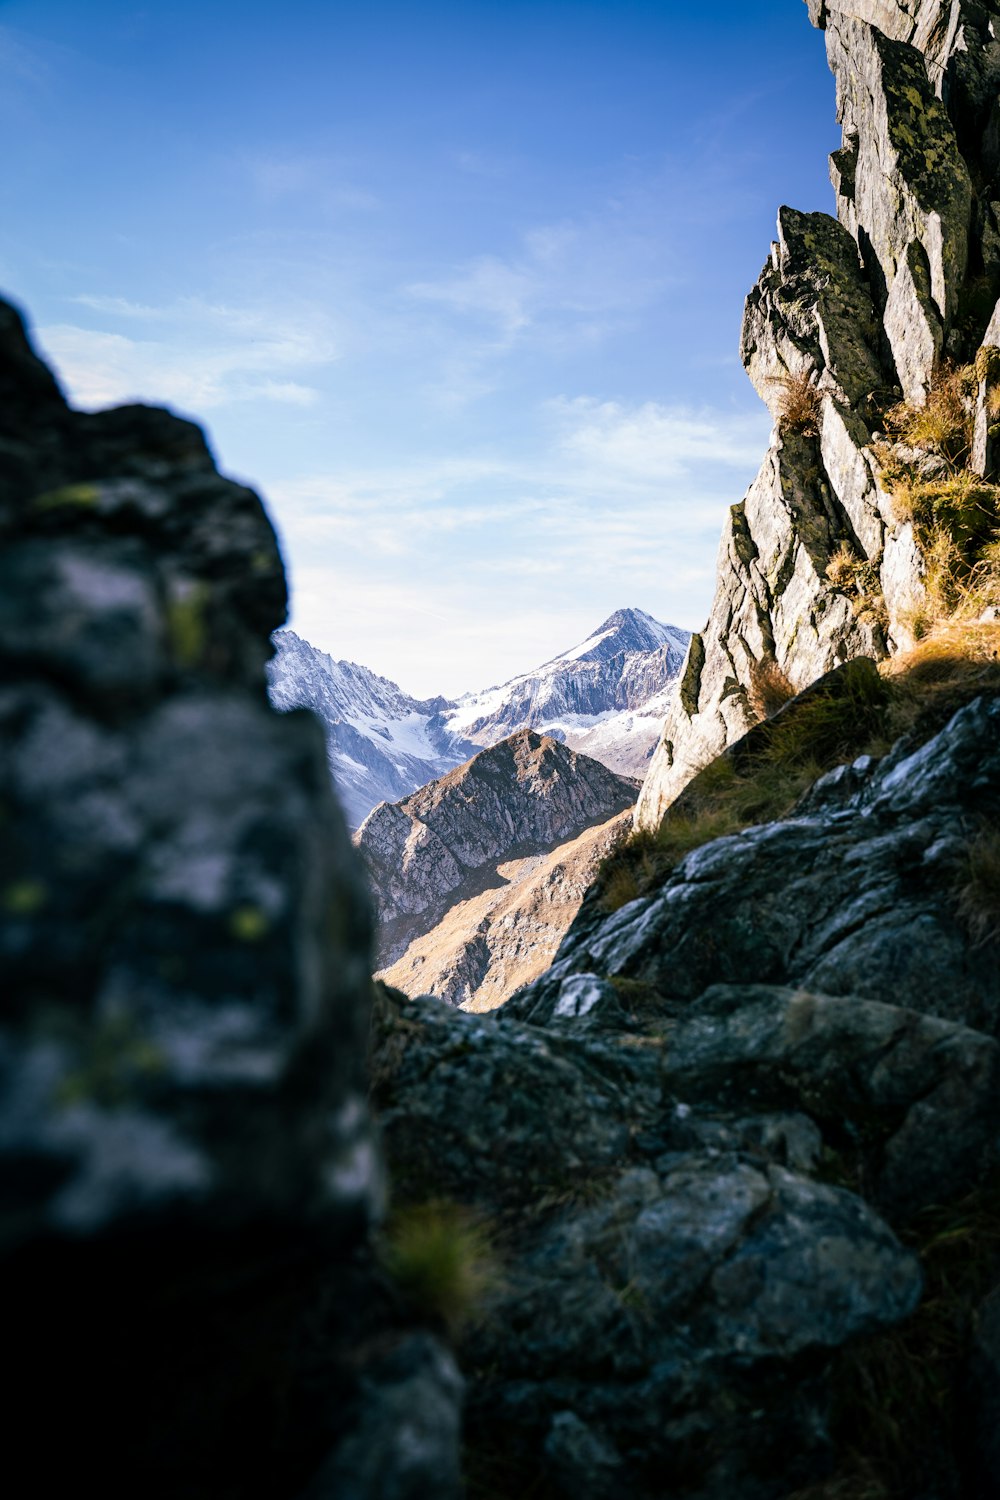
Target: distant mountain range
(606, 697)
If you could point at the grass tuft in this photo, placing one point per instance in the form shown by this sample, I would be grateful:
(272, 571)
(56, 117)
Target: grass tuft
(439, 1258)
(943, 425)
(842, 568)
(914, 694)
(769, 687)
(800, 404)
(978, 892)
(955, 513)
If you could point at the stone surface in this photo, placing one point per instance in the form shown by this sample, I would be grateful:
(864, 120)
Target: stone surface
(861, 308)
(850, 896)
(444, 844)
(656, 1261)
(187, 1166)
(696, 1137)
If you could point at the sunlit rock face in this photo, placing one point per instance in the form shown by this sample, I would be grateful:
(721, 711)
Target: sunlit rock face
(727, 1135)
(859, 309)
(187, 1169)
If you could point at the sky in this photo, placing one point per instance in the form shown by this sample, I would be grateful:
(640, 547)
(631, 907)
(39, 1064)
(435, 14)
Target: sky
(456, 285)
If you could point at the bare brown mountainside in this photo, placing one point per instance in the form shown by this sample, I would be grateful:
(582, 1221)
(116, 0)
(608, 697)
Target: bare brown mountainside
(443, 844)
(488, 946)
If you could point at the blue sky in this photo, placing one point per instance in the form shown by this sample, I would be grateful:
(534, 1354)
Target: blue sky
(456, 285)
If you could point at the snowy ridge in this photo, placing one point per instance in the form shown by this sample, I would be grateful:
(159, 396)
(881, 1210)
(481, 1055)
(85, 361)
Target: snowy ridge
(382, 744)
(618, 670)
(606, 697)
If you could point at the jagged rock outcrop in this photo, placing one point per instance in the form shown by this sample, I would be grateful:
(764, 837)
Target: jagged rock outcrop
(487, 946)
(606, 697)
(848, 315)
(741, 1144)
(702, 1133)
(444, 844)
(187, 1167)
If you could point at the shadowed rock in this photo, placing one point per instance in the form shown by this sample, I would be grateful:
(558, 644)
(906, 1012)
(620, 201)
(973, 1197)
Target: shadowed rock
(187, 1170)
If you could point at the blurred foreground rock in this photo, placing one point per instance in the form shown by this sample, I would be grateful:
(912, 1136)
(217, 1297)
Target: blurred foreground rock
(187, 1170)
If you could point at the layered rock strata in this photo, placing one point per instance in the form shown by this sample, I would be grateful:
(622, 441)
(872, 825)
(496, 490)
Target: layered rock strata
(444, 844)
(849, 314)
(187, 1168)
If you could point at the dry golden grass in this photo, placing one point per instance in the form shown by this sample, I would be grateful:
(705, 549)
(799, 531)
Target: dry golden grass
(949, 667)
(799, 404)
(842, 567)
(769, 687)
(943, 425)
(916, 693)
(954, 512)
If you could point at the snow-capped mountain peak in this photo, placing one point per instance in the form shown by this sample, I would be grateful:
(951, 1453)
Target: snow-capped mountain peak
(625, 630)
(605, 696)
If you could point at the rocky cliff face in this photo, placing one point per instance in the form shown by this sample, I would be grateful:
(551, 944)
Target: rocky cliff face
(187, 1169)
(444, 844)
(606, 697)
(738, 1148)
(850, 314)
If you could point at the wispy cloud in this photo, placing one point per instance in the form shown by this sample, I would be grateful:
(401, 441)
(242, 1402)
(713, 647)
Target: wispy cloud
(488, 288)
(617, 505)
(651, 444)
(568, 285)
(191, 353)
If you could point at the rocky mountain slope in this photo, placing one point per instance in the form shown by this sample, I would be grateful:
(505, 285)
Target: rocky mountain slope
(606, 697)
(826, 557)
(601, 697)
(486, 947)
(740, 1146)
(444, 844)
(711, 1209)
(188, 1173)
